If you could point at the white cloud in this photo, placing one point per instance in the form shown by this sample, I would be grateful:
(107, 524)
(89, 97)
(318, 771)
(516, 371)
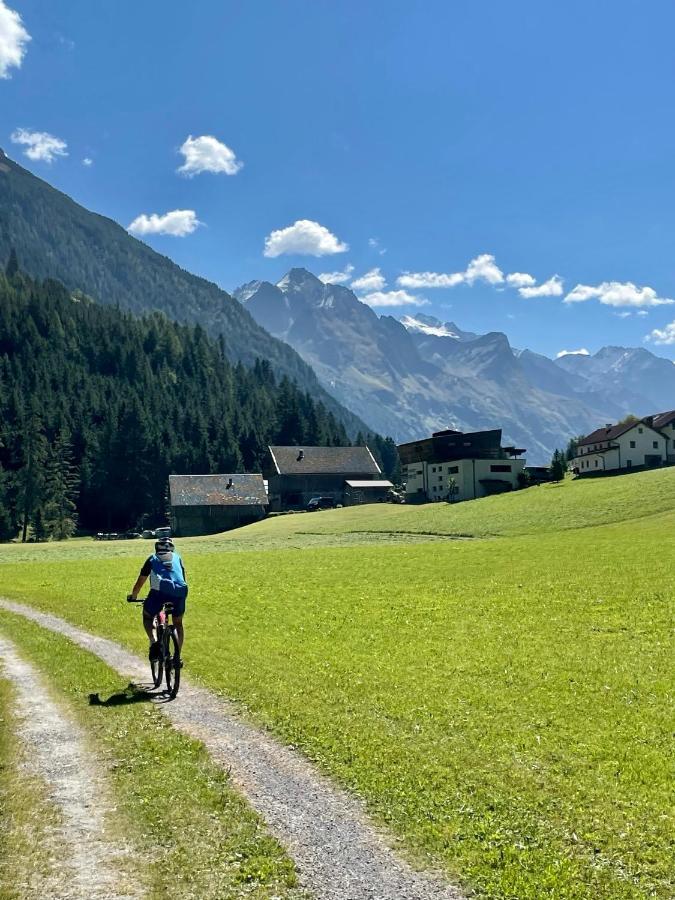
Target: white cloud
(520, 279)
(581, 352)
(551, 288)
(617, 293)
(337, 277)
(87, 161)
(663, 335)
(40, 145)
(374, 243)
(13, 40)
(393, 298)
(481, 268)
(208, 154)
(484, 268)
(178, 223)
(304, 237)
(371, 281)
(429, 280)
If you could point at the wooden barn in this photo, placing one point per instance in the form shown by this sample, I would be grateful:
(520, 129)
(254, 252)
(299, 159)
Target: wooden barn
(297, 474)
(204, 504)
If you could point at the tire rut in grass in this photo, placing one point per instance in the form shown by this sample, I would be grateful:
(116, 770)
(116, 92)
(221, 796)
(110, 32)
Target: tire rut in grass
(85, 861)
(338, 853)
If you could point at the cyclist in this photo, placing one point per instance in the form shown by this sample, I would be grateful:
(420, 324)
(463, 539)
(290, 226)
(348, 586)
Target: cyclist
(167, 583)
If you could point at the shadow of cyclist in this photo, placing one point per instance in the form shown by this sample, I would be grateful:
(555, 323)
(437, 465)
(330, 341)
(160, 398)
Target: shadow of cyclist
(133, 693)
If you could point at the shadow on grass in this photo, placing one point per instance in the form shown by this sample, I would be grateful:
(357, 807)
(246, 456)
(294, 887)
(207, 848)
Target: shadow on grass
(133, 693)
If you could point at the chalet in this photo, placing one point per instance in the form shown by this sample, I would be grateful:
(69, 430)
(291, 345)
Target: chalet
(460, 466)
(614, 448)
(296, 474)
(204, 504)
(665, 423)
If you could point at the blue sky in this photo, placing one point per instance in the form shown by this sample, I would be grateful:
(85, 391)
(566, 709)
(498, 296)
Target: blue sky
(419, 136)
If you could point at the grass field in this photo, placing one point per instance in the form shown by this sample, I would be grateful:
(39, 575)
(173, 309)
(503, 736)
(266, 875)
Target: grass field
(504, 703)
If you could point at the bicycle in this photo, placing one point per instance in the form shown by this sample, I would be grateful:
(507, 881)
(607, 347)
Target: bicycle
(167, 660)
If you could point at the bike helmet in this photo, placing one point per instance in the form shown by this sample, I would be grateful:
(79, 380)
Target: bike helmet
(165, 545)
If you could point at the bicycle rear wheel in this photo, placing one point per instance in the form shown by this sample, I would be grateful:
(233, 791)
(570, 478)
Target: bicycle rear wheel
(172, 663)
(156, 664)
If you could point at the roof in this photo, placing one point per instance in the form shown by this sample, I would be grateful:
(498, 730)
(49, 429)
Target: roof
(369, 484)
(610, 432)
(660, 420)
(447, 446)
(213, 490)
(324, 461)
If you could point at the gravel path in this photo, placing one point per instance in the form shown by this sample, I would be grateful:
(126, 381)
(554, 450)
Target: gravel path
(338, 853)
(85, 861)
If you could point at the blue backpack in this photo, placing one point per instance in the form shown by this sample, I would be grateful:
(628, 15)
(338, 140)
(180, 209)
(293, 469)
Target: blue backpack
(168, 581)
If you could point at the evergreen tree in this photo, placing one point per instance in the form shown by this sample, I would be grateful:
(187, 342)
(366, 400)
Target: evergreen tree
(61, 490)
(558, 465)
(31, 477)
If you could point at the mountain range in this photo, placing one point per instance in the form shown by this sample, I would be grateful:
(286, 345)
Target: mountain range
(416, 375)
(55, 237)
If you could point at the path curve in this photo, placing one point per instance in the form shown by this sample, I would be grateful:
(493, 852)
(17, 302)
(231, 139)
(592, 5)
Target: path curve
(339, 854)
(85, 859)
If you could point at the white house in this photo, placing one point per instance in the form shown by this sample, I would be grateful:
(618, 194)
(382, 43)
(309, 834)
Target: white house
(665, 423)
(476, 462)
(616, 447)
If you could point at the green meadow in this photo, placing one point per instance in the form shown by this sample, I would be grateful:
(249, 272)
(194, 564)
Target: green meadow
(493, 678)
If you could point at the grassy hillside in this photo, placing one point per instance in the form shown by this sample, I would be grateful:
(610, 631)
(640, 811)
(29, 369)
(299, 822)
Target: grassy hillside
(505, 705)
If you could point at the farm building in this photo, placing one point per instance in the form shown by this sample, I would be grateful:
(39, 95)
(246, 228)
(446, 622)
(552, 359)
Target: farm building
(615, 448)
(356, 492)
(472, 465)
(204, 504)
(297, 474)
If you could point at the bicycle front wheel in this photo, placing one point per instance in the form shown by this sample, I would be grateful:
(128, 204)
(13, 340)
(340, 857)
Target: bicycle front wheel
(172, 664)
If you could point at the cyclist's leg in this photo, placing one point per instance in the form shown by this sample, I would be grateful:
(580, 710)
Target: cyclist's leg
(151, 606)
(178, 624)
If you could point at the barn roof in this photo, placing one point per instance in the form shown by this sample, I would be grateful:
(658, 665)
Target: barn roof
(324, 461)
(213, 490)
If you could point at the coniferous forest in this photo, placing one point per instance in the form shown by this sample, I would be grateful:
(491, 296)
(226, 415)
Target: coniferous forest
(98, 407)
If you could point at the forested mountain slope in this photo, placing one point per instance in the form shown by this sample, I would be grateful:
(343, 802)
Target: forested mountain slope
(54, 237)
(97, 407)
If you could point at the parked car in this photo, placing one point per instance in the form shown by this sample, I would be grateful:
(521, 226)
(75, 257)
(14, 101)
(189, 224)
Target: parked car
(162, 533)
(320, 503)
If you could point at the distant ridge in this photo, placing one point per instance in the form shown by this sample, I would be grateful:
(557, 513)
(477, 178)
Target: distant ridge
(416, 375)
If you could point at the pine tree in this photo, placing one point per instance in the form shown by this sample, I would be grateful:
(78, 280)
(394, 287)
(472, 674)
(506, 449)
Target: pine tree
(12, 264)
(31, 476)
(61, 490)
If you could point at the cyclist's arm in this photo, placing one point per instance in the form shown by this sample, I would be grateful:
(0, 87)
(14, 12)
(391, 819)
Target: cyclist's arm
(140, 581)
(142, 578)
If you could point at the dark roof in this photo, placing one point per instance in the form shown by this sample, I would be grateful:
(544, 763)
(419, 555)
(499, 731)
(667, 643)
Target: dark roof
(446, 446)
(213, 490)
(660, 420)
(610, 432)
(324, 461)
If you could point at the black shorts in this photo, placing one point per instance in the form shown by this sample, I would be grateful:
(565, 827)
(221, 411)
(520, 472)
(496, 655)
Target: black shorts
(154, 601)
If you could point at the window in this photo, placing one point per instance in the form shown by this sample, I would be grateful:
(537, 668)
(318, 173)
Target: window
(434, 469)
(420, 472)
(500, 468)
(673, 443)
(596, 464)
(453, 470)
(434, 488)
(440, 478)
(655, 445)
(632, 445)
(640, 430)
